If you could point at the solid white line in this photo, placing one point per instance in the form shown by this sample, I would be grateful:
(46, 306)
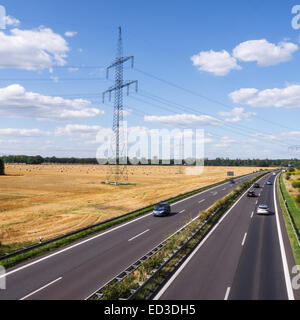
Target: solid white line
(227, 293)
(197, 194)
(201, 201)
(243, 242)
(104, 233)
(175, 275)
(40, 289)
(139, 235)
(282, 249)
(182, 211)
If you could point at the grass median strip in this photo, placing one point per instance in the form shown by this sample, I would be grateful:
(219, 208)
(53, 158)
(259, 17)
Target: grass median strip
(294, 215)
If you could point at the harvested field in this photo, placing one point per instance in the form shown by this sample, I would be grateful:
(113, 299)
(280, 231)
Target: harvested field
(49, 200)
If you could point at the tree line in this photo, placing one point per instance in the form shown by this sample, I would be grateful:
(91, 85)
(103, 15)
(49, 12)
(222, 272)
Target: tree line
(207, 162)
(1, 167)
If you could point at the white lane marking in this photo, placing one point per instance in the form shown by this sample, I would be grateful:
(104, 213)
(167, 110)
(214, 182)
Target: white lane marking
(139, 235)
(244, 239)
(182, 211)
(224, 189)
(208, 190)
(40, 289)
(201, 201)
(214, 193)
(252, 214)
(104, 233)
(227, 293)
(282, 249)
(256, 201)
(175, 275)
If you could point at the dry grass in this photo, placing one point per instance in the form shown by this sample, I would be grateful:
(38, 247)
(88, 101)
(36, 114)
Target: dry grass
(293, 192)
(49, 200)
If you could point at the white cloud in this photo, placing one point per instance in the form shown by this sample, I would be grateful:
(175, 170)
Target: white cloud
(264, 52)
(55, 79)
(283, 136)
(236, 115)
(77, 129)
(70, 34)
(224, 142)
(32, 49)
(23, 132)
(287, 97)
(72, 69)
(127, 112)
(12, 21)
(219, 63)
(183, 120)
(15, 101)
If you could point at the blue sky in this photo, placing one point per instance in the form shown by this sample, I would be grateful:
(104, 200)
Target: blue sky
(236, 63)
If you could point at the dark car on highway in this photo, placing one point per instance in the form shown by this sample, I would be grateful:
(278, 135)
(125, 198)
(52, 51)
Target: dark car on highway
(232, 181)
(162, 209)
(251, 193)
(256, 185)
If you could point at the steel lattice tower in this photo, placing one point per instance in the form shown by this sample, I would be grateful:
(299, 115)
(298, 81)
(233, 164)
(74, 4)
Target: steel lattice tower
(118, 161)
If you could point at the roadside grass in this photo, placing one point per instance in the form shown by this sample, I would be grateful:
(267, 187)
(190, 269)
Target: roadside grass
(4, 248)
(295, 215)
(12, 261)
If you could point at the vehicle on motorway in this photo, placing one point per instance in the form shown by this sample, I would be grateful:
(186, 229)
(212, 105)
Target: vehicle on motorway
(256, 185)
(162, 209)
(232, 181)
(274, 174)
(263, 209)
(251, 193)
(269, 183)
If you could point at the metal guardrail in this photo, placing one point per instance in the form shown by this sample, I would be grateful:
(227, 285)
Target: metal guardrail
(147, 208)
(289, 213)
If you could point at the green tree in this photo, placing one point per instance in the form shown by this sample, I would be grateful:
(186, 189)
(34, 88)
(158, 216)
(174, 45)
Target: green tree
(1, 167)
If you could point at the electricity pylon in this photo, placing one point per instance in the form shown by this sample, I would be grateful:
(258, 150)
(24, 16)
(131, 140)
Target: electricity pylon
(118, 161)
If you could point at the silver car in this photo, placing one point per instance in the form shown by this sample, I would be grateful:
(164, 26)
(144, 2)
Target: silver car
(263, 209)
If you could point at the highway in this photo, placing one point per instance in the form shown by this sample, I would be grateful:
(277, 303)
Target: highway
(78, 270)
(245, 257)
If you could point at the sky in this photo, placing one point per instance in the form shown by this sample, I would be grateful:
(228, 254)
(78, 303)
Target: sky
(230, 68)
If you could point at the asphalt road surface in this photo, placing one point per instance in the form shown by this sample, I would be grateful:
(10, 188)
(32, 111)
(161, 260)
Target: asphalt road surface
(78, 270)
(246, 257)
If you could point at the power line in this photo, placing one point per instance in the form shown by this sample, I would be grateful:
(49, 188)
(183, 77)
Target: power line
(230, 129)
(182, 107)
(205, 97)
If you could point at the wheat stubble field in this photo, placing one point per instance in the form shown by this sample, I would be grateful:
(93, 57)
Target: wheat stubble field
(49, 200)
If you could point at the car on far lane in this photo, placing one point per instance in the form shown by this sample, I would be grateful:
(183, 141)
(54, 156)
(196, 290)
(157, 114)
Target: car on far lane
(256, 185)
(269, 183)
(162, 209)
(232, 181)
(263, 209)
(251, 194)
